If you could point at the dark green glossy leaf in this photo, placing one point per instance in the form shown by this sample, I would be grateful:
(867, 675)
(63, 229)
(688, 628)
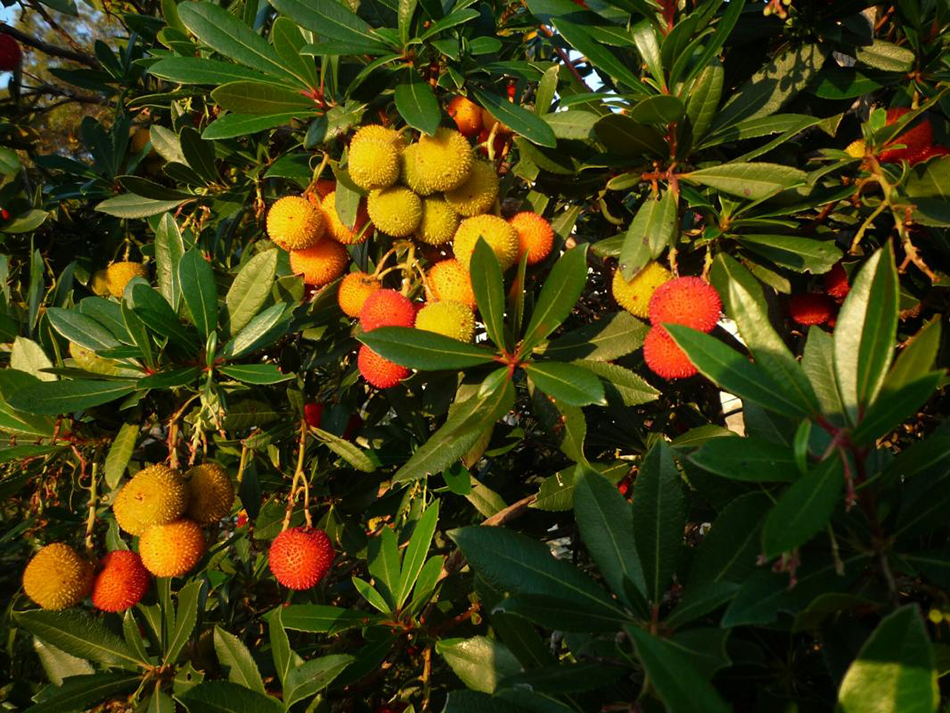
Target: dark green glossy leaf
(79, 634)
(750, 459)
(600, 56)
(660, 109)
(622, 387)
(752, 181)
(804, 509)
(480, 662)
(488, 286)
(256, 98)
(570, 384)
(233, 654)
(604, 339)
(417, 104)
(227, 697)
(62, 397)
(625, 137)
(230, 126)
(518, 119)
(261, 374)
(198, 70)
(199, 292)
(558, 296)
(419, 349)
(82, 692)
(800, 254)
(129, 205)
(651, 231)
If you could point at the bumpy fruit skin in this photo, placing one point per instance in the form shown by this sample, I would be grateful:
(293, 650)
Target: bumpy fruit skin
(10, 53)
(155, 496)
(397, 211)
(373, 164)
(634, 296)
(58, 577)
(172, 550)
(450, 281)
(121, 583)
(686, 300)
(836, 282)
(409, 175)
(300, 557)
(210, 493)
(439, 221)
(443, 161)
(295, 223)
(535, 236)
(354, 291)
(99, 283)
(313, 414)
(467, 116)
(377, 132)
(478, 193)
(120, 274)
(320, 264)
(811, 308)
(916, 140)
(856, 149)
(498, 233)
(452, 319)
(335, 227)
(387, 308)
(664, 357)
(378, 371)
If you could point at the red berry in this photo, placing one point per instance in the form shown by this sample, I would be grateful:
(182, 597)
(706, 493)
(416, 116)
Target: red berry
(378, 371)
(387, 308)
(688, 301)
(313, 413)
(836, 282)
(664, 357)
(10, 53)
(915, 140)
(300, 557)
(4, 213)
(121, 583)
(811, 308)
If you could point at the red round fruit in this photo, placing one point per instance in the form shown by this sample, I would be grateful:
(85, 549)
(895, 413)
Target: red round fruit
(313, 413)
(664, 357)
(300, 557)
(387, 308)
(915, 140)
(688, 301)
(378, 371)
(811, 308)
(121, 582)
(10, 53)
(836, 282)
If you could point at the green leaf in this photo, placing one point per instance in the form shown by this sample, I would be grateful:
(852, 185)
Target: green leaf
(568, 383)
(407, 8)
(732, 372)
(455, 18)
(120, 453)
(328, 19)
(651, 231)
(416, 103)
(660, 109)
(169, 247)
(249, 291)
(82, 692)
(621, 386)
(224, 33)
(885, 56)
(350, 452)
(257, 98)
(58, 665)
(186, 616)
(149, 189)
(227, 697)
(384, 561)
(199, 291)
(79, 634)
(865, 333)
(749, 459)
(804, 509)
(371, 595)
(672, 673)
(489, 288)
(264, 328)
(610, 337)
(233, 654)
(627, 138)
(917, 357)
(894, 406)
(560, 293)
(416, 552)
(288, 41)
(600, 56)
(753, 181)
(659, 517)
(460, 430)
(605, 520)
(644, 36)
(517, 118)
(476, 702)
(480, 662)
(129, 205)
(198, 70)
(799, 254)
(320, 619)
(518, 564)
(703, 99)
(745, 303)
(63, 397)
(573, 124)
(84, 331)
(313, 676)
(895, 670)
(158, 316)
(420, 349)
(28, 356)
(772, 86)
(568, 678)
(233, 125)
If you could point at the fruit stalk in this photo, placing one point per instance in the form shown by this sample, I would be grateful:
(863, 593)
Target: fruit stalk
(299, 481)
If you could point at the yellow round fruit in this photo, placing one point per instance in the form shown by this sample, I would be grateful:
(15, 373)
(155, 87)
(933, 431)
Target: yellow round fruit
(478, 193)
(451, 319)
(172, 550)
(439, 221)
(335, 227)
(120, 274)
(320, 264)
(354, 290)
(373, 164)
(99, 283)
(295, 223)
(155, 495)
(443, 161)
(377, 132)
(210, 493)
(500, 236)
(856, 149)
(58, 577)
(409, 175)
(634, 296)
(396, 211)
(448, 280)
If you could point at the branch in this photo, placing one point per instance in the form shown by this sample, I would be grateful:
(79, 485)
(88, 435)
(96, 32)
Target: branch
(52, 50)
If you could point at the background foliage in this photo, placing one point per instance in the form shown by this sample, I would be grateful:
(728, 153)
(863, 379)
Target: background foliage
(487, 560)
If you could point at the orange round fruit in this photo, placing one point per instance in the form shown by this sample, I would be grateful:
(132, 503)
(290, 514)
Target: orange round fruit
(379, 371)
(172, 550)
(664, 357)
(387, 308)
(535, 236)
(337, 230)
(121, 583)
(300, 557)
(467, 116)
(354, 290)
(320, 264)
(448, 280)
(689, 301)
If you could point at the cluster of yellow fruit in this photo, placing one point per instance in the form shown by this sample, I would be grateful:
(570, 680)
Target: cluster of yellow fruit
(160, 506)
(113, 279)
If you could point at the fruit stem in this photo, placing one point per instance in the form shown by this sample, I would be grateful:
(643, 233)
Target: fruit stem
(296, 483)
(91, 517)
